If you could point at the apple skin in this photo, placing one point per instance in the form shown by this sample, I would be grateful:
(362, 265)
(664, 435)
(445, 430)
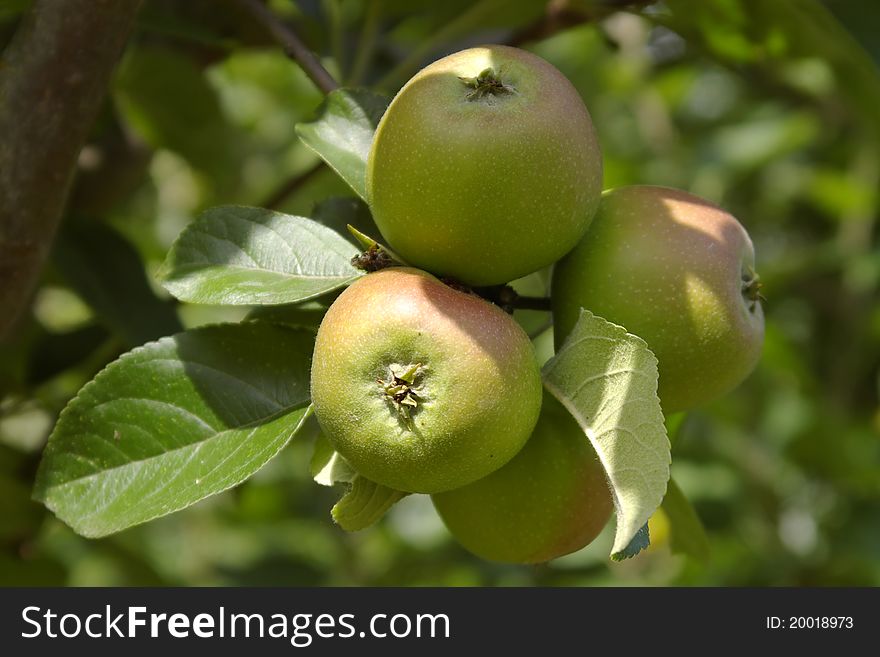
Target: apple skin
(487, 189)
(678, 272)
(477, 390)
(551, 499)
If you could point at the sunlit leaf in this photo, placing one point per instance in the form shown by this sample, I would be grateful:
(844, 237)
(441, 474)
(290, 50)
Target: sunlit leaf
(327, 466)
(237, 255)
(607, 379)
(173, 422)
(639, 542)
(364, 504)
(343, 131)
(365, 501)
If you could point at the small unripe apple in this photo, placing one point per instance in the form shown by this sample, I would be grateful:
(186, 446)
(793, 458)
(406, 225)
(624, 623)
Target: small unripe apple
(422, 387)
(485, 167)
(551, 499)
(677, 271)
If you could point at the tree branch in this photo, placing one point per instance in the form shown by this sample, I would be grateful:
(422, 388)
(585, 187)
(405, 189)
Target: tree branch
(293, 46)
(289, 187)
(562, 16)
(52, 82)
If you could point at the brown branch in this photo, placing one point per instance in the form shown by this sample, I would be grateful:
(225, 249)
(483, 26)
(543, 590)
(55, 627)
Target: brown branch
(53, 77)
(561, 16)
(293, 46)
(290, 186)
(532, 303)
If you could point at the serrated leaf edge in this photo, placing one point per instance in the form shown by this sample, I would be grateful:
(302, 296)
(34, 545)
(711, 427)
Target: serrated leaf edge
(589, 432)
(36, 493)
(163, 274)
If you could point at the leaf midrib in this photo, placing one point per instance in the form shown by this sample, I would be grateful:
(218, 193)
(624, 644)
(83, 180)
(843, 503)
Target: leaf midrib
(254, 424)
(196, 268)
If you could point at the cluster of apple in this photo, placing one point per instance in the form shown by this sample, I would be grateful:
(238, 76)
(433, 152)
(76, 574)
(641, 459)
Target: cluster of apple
(486, 168)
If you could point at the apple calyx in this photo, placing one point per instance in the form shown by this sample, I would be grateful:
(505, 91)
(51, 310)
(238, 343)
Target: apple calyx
(487, 84)
(373, 259)
(401, 390)
(751, 288)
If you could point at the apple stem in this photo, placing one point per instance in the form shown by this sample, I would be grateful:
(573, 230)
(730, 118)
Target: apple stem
(508, 299)
(533, 303)
(502, 296)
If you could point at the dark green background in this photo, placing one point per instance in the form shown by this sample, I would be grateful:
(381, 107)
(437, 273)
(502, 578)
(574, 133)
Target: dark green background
(769, 108)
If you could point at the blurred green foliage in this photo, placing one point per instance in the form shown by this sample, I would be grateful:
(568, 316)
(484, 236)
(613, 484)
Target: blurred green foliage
(771, 109)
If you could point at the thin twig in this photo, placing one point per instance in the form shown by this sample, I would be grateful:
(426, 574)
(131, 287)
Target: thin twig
(53, 80)
(509, 300)
(559, 17)
(562, 16)
(366, 43)
(293, 46)
(532, 303)
(280, 195)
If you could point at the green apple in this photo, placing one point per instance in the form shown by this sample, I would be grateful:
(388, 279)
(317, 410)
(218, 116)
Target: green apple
(422, 387)
(678, 272)
(551, 499)
(485, 167)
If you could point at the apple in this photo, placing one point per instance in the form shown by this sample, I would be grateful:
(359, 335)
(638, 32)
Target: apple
(677, 271)
(551, 499)
(485, 167)
(422, 387)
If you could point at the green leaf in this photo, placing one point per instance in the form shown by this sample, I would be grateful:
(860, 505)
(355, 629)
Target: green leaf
(639, 542)
(364, 503)
(369, 244)
(607, 379)
(343, 131)
(687, 534)
(327, 467)
(364, 240)
(173, 422)
(237, 255)
(108, 273)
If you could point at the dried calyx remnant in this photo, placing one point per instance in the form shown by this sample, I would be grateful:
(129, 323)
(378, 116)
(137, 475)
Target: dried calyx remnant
(487, 84)
(401, 389)
(751, 287)
(373, 259)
